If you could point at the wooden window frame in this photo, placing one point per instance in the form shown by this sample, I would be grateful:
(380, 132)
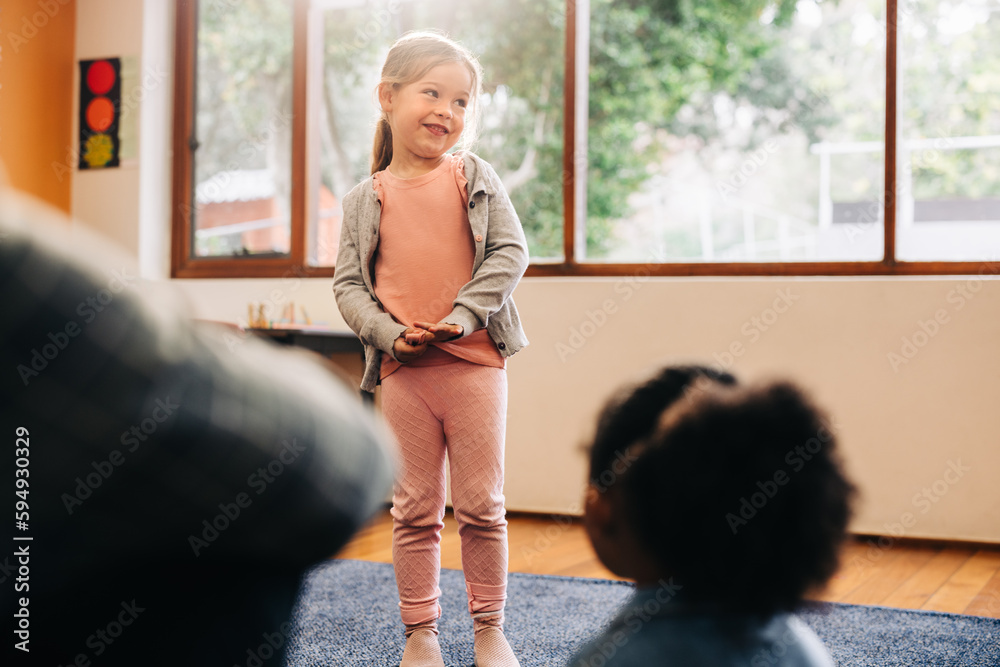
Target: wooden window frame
(185, 266)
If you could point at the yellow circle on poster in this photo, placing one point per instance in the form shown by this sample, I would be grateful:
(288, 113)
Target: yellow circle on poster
(99, 150)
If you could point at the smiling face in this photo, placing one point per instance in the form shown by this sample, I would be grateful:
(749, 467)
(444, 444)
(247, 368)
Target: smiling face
(427, 117)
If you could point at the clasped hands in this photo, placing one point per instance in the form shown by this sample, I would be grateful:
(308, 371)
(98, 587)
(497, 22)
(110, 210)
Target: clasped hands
(414, 341)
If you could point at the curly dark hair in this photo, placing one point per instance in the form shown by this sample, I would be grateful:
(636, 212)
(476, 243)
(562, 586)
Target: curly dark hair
(739, 493)
(633, 413)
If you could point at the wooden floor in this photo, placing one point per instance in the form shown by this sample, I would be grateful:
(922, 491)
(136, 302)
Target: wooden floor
(950, 578)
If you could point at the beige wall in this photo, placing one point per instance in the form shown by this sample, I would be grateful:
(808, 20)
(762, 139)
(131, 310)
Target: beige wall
(903, 429)
(921, 439)
(37, 99)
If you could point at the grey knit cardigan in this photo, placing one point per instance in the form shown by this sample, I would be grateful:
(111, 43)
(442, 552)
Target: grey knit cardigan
(485, 301)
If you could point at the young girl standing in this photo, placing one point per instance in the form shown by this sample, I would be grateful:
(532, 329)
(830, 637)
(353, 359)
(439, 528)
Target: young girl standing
(430, 252)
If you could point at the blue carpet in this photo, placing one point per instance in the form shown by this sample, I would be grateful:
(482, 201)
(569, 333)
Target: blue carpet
(347, 615)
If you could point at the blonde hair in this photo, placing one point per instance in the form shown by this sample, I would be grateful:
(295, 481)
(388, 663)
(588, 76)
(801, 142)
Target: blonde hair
(413, 55)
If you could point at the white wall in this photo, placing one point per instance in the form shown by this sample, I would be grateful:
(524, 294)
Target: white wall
(108, 199)
(905, 430)
(130, 203)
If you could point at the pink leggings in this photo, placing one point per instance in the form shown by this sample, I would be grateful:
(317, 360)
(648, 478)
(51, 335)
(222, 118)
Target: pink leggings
(460, 408)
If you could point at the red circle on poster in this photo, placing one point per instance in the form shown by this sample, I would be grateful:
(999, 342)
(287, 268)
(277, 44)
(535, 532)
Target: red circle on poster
(100, 114)
(100, 77)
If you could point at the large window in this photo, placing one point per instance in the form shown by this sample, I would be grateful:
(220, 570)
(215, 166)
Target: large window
(948, 153)
(521, 46)
(748, 127)
(243, 120)
(786, 137)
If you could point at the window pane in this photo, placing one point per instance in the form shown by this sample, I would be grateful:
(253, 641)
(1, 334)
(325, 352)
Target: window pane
(949, 131)
(724, 131)
(520, 44)
(243, 128)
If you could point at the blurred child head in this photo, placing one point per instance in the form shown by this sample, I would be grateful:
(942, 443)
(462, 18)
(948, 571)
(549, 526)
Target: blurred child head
(735, 492)
(411, 57)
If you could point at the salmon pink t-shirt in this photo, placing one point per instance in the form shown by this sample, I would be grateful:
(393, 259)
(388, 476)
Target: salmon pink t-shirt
(425, 256)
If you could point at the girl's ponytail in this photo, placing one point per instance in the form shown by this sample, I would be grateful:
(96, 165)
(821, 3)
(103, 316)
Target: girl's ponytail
(382, 148)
